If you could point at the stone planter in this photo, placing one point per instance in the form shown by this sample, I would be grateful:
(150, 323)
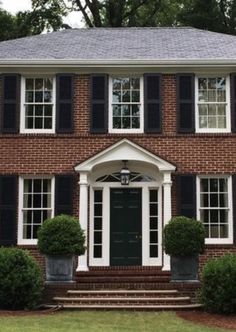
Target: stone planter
(59, 268)
(184, 268)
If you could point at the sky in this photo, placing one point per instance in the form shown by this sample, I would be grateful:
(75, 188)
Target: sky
(13, 6)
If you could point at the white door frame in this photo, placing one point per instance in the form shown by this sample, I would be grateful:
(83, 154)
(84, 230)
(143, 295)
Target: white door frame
(106, 186)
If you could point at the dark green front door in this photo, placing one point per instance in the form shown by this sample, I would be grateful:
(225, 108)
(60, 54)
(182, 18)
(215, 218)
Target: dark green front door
(125, 227)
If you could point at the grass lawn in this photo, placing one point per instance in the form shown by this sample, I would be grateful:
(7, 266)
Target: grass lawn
(91, 321)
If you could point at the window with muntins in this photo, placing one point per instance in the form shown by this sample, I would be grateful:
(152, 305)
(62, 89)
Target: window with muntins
(153, 220)
(213, 104)
(39, 105)
(126, 104)
(215, 207)
(37, 205)
(97, 235)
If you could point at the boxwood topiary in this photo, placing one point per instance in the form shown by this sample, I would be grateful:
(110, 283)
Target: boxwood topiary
(183, 236)
(20, 280)
(61, 236)
(218, 291)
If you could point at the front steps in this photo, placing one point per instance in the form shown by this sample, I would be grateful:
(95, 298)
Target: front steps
(125, 300)
(126, 288)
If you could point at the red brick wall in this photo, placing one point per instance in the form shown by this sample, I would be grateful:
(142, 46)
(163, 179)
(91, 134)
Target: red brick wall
(59, 153)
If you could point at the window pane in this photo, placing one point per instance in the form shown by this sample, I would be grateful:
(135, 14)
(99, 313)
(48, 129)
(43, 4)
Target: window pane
(116, 96)
(48, 84)
(153, 251)
(214, 231)
(97, 251)
(29, 96)
(126, 123)
(126, 84)
(153, 237)
(135, 123)
(38, 84)
(153, 209)
(204, 185)
(224, 231)
(98, 196)
(98, 223)
(29, 84)
(97, 237)
(153, 223)
(153, 195)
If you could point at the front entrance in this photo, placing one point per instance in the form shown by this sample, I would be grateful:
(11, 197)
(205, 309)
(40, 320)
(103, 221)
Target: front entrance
(125, 226)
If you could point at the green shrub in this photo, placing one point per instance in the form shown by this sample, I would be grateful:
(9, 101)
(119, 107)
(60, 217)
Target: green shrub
(20, 280)
(61, 235)
(183, 236)
(218, 291)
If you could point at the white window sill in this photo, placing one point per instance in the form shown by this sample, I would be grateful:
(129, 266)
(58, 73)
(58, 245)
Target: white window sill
(37, 131)
(126, 131)
(213, 131)
(218, 241)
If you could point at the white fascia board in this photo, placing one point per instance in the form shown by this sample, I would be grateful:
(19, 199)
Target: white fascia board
(117, 63)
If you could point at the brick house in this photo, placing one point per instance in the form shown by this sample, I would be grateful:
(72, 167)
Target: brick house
(79, 106)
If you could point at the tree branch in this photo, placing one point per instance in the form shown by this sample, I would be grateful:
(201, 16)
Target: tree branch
(83, 11)
(133, 11)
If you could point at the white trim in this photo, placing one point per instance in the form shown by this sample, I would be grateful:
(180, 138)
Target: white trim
(20, 240)
(110, 112)
(228, 240)
(158, 63)
(228, 106)
(24, 130)
(106, 186)
(124, 150)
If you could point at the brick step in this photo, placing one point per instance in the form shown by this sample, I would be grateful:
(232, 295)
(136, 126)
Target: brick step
(122, 279)
(123, 285)
(124, 293)
(122, 300)
(132, 307)
(128, 272)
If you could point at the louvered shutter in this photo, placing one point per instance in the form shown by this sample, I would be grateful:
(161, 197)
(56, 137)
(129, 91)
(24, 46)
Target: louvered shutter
(8, 206)
(64, 103)
(185, 103)
(99, 104)
(10, 104)
(63, 194)
(152, 103)
(186, 195)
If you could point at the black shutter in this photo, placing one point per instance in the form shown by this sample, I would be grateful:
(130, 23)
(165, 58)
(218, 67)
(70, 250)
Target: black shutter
(8, 194)
(186, 195)
(185, 103)
(152, 103)
(233, 101)
(10, 103)
(64, 107)
(64, 194)
(234, 207)
(99, 104)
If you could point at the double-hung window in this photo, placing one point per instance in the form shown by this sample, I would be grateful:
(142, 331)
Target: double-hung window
(212, 104)
(38, 109)
(36, 204)
(214, 202)
(126, 104)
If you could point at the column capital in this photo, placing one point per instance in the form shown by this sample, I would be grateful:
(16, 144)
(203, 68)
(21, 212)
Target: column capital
(167, 178)
(83, 178)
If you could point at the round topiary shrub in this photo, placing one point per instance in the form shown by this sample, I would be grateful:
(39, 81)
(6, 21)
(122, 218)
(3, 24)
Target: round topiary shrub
(183, 236)
(218, 291)
(61, 235)
(20, 280)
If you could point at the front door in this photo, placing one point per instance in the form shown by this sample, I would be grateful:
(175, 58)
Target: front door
(125, 226)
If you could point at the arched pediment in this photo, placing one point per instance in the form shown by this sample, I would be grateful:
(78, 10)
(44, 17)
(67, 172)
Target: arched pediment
(124, 150)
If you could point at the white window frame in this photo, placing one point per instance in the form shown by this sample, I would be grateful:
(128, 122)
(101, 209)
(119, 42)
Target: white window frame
(20, 239)
(228, 240)
(110, 116)
(24, 130)
(228, 113)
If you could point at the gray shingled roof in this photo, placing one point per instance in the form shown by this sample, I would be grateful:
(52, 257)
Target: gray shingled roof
(122, 44)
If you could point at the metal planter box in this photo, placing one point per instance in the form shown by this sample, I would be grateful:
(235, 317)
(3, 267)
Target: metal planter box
(59, 268)
(184, 268)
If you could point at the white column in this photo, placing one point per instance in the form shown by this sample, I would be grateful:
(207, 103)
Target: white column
(166, 213)
(83, 217)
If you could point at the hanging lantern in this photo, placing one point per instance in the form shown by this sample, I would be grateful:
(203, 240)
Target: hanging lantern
(124, 174)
